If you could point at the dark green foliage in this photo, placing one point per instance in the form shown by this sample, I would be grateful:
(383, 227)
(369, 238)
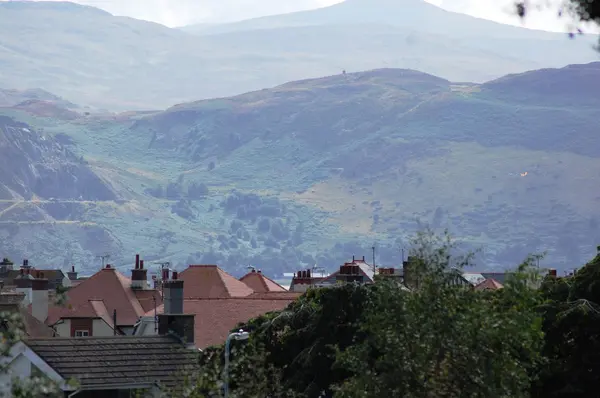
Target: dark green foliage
(380, 340)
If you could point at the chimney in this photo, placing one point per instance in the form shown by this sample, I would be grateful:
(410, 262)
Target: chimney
(173, 296)
(23, 284)
(72, 275)
(39, 298)
(139, 275)
(181, 325)
(173, 320)
(25, 263)
(552, 272)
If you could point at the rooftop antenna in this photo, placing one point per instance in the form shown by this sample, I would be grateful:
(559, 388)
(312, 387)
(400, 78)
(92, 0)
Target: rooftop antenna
(163, 265)
(316, 269)
(104, 258)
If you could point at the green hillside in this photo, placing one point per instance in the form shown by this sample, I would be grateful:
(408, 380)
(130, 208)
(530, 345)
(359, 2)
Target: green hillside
(316, 171)
(96, 59)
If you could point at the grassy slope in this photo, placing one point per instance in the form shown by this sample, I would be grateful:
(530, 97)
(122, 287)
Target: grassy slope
(354, 158)
(93, 58)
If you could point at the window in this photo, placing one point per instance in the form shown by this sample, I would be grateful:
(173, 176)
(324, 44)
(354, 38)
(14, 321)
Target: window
(82, 333)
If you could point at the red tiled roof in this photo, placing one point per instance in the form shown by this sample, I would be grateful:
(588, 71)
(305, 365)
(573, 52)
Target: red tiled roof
(210, 281)
(215, 318)
(287, 295)
(148, 298)
(489, 284)
(32, 327)
(109, 286)
(260, 283)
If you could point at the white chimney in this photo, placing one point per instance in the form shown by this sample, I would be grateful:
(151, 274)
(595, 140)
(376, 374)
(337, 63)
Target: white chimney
(39, 298)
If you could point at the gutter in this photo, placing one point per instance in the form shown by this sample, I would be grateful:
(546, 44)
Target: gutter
(130, 386)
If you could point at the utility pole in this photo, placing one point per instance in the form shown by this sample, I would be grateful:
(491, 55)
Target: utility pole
(374, 267)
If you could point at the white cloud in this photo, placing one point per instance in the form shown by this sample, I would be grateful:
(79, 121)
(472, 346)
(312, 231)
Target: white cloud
(183, 12)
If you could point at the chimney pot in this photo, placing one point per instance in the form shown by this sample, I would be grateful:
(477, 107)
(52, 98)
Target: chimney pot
(137, 261)
(175, 275)
(72, 268)
(25, 263)
(107, 266)
(308, 273)
(259, 271)
(363, 258)
(352, 258)
(141, 264)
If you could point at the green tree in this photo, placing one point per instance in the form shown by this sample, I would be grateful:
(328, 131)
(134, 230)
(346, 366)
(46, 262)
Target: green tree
(572, 325)
(441, 340)
(352, 340)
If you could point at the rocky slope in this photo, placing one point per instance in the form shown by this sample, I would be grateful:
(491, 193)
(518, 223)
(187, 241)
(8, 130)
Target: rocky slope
(318, 170)
(44, 190)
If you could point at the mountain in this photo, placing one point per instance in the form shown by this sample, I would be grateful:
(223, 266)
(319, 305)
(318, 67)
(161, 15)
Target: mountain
(319, 170)
(420, 18)
(95, 59)
(44, 192)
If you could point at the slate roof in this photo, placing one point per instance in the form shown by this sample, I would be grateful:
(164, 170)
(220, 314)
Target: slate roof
(114, 290)
(260, 283)
(105, 361)
(210, 281)
(215, 318)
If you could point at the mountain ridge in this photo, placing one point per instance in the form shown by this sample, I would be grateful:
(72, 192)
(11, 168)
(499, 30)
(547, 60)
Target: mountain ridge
(319, 170)
(117, 63)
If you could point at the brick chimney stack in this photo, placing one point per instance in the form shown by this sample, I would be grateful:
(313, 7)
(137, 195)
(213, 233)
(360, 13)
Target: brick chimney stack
(173, 320)
(72, 275)
(139, 275)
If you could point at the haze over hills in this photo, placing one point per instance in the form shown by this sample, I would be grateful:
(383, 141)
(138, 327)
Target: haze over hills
(93, 58)
(319, 170)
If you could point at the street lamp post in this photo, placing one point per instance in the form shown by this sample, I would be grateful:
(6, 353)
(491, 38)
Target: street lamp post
(241, 335)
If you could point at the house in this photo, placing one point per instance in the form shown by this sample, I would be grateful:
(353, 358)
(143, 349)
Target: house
(356, 271)
(8, 275)
(210, 281)
(106, 366)
(107, 303)
(218, 300)
(489, 284)
(258, 282)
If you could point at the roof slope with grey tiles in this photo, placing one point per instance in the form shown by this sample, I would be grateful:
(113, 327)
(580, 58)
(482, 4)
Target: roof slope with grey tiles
(105, 361)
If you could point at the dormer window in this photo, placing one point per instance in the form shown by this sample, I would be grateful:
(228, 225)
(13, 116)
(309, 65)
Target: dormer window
(82, 333)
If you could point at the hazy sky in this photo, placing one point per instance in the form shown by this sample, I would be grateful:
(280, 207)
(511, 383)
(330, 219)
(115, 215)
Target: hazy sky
(183, 12)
